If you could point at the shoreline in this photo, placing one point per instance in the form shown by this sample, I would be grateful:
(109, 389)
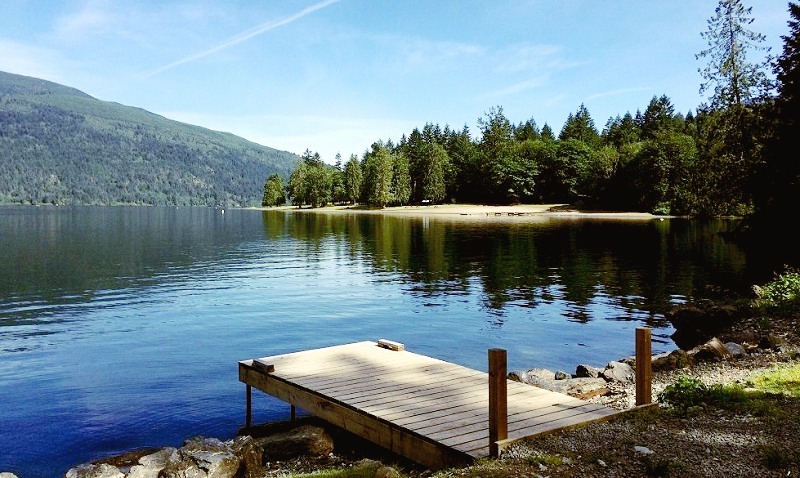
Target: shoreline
(473, 212)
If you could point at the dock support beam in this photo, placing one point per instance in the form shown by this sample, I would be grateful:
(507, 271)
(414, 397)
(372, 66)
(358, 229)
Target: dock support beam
(498, 400)
(644, 370)
(248, 421)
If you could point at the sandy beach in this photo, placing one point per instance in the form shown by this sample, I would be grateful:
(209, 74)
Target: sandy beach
(474, 211)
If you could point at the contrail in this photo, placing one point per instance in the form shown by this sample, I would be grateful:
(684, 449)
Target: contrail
(244, 36)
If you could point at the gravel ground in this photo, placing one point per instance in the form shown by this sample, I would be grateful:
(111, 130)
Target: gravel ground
(652, 442)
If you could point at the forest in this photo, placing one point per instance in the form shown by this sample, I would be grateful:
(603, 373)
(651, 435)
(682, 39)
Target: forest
(734, 156)
(61, 146)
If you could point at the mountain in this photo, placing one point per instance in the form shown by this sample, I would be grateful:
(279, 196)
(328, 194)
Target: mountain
(59, 145)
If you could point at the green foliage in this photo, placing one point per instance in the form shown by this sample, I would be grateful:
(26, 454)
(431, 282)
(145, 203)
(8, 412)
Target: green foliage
(580, 126)
(735, 80)
(378, 175)
(781, 296)
(363, 469)
(782, 380)
(401, 179)
(311, 183)
(62, 146)
(352, 179)
(690, 392)
(274, 194)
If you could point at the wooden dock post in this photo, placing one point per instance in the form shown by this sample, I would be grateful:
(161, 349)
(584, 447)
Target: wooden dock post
(498, 400)
(248, 421)
(644, 370)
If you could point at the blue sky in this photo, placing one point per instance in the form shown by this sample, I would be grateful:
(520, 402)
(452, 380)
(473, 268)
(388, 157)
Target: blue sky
(336, 75)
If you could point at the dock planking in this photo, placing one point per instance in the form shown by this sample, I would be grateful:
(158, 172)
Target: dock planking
(431, 411)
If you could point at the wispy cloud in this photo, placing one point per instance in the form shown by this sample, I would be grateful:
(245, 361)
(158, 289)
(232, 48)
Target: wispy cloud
(621, 91)
(24, 59)
(244, 36)
(520, 87)
(94, 16)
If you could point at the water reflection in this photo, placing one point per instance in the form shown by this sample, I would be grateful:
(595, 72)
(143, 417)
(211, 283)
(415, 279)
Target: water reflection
(579, 266)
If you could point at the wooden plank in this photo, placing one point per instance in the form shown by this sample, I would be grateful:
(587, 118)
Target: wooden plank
(388, 344)
(431, 411)
(408, 444)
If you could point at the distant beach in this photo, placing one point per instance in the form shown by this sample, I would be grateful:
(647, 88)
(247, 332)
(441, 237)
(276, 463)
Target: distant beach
(473, 211)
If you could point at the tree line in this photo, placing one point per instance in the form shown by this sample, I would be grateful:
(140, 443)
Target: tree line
(727, 158)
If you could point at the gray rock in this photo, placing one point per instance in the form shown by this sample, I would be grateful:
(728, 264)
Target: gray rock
(250, 455)
(735, 349)
(101, 470)
(561, 375)
(675, 360)
(534, 376)
(303, 440)
(587, 371)
(618, 372)
(575, 387)
(387, 472)
(150, 466)
(643, 450)
(711, 351)
(7, 474)
(179, 465)
(212, 456)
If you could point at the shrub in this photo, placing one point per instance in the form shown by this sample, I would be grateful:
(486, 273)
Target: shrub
(781, 296)
(688, 392)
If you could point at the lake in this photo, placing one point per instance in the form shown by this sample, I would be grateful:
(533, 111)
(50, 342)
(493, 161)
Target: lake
(121, 327)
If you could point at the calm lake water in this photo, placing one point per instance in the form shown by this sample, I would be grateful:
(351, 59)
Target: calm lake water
(122, 327)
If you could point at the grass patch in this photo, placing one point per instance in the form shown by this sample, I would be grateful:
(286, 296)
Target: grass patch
(783, 379)
(365, 469)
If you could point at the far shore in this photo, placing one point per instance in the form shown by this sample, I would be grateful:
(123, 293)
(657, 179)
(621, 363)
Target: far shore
(473, 211)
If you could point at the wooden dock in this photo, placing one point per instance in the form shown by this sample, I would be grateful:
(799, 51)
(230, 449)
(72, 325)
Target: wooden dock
(431, 411)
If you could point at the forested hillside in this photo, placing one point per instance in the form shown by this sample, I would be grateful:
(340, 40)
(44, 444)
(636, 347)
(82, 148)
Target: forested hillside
(59, 145)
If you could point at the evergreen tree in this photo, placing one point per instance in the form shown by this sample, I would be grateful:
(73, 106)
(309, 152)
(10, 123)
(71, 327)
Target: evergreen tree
(620, 131)
(378, 172)
(778, 193)
(274, 194)
(401, 179)
(732, 77)
(352, 179)
(580, 126)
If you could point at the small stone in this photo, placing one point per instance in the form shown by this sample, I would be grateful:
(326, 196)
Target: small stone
(601, 463)
(561, 375)
(643, 450)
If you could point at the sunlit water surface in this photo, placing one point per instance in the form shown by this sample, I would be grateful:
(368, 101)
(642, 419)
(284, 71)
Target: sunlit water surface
(122, 327)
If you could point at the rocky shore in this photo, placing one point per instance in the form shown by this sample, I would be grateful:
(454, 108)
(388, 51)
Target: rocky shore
(725, 350)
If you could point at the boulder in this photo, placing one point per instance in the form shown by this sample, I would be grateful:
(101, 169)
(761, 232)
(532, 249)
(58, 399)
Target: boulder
(583, 387)
(735, 349)
(250, 453)
(618, 372)
(675, 360)
(587, 371)
(561, 375)
(698, 322)
(303, 440)
(94, 470)
(7, 474)
(149, 466)
(212, 456)
(534, 376)
(711, 351)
